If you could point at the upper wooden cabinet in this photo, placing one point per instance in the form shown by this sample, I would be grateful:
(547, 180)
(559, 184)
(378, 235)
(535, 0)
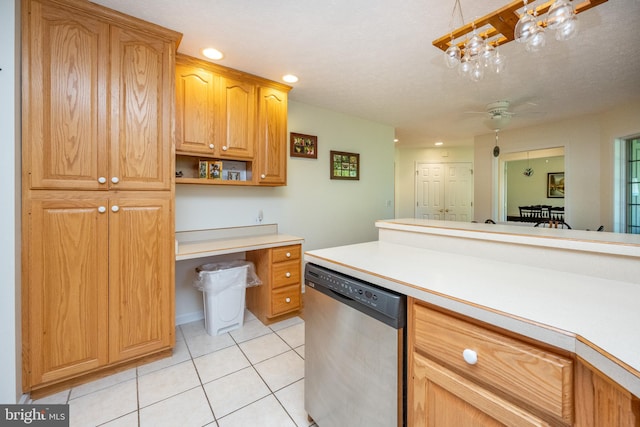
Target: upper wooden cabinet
(224, 114)
(98, 106)
(272, 137)
(215, 112)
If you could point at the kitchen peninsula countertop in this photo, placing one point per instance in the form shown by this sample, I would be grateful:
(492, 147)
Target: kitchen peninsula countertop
(590, 315)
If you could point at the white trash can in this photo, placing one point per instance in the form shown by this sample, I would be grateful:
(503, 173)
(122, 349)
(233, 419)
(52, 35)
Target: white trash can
(224, 286)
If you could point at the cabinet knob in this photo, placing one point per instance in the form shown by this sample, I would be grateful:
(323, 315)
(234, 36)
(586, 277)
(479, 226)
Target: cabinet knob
(102, 180)
(115, 180)
(287, 300)
(102, 209)
(115, 208)
(470, 356)
(263, 176)
(288, 255)
(288, 274)
(211, 146)
(224, 148)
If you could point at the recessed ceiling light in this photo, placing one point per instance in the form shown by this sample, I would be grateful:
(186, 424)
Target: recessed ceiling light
(290, 78)
(439, 143)
(212, 53)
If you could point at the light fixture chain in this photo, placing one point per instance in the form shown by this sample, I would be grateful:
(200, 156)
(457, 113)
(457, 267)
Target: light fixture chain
(456, 5)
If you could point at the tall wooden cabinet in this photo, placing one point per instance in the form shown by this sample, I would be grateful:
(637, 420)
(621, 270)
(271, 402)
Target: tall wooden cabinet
(98, 185)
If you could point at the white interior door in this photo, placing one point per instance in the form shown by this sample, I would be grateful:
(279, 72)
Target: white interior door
(444, 191)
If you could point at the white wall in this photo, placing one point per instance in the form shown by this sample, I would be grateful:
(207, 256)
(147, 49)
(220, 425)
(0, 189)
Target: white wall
(10, 359)
(323, 211)
(406, 159)
(588, 142)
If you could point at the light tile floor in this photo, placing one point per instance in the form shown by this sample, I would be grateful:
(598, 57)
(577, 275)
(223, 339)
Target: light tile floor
(252, 376)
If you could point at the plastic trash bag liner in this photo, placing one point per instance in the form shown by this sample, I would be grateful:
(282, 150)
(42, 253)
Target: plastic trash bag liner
(217, 277)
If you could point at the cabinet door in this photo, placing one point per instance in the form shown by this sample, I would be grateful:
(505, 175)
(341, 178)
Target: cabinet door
(442, 398)
(272, 128)
(237, 115)
(141, 285)
(68, 287)
(65, 72)
(195, 110)
(142, 81)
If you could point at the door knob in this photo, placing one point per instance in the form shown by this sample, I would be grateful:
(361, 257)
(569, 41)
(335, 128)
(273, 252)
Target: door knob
(102, 209)
(102, 180)
(211, 146)
(115, 180)
(115, 208)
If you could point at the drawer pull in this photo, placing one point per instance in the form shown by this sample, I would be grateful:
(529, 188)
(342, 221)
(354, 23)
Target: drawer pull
(288, 274)
(287, 300)
(288, 254)
(470, 356)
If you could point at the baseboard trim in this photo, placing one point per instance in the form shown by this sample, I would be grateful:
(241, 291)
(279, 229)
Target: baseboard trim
(189, 317)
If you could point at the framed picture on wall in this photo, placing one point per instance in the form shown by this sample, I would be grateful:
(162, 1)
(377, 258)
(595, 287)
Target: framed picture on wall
(344, 165)
(555, 185)
(303, 146)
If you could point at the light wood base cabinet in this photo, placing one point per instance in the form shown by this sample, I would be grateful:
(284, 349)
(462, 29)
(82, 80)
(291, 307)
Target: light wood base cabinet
(504, 381)
(100, 283)
(464, 374)
(279, 269)
(601, 402)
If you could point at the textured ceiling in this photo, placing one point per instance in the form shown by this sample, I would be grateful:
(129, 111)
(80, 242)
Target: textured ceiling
(374, 59)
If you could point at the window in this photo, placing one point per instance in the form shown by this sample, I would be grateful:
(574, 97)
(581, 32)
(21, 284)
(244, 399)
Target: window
(632, 185)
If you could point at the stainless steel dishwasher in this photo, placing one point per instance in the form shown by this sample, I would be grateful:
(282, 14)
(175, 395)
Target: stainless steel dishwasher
(354, 351)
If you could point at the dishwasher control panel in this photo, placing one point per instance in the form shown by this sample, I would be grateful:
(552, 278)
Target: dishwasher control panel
(378, 299)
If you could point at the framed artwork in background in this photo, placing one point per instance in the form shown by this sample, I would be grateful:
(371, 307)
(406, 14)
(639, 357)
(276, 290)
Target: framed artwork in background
(344, 165)
(555, 185)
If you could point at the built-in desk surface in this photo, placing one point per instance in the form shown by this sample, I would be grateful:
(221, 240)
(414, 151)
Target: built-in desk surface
(220, 241)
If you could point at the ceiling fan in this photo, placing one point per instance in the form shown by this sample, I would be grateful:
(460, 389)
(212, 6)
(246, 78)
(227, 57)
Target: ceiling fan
(499, 115)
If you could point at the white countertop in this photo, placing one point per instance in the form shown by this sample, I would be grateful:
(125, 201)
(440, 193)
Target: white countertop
(220, 241)
(596, 318)
(582, 240)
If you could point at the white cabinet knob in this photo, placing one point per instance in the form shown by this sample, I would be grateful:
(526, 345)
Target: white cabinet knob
(102, 180)
(470, 356)
(288, 274)
(288, 255)
(115, 208)
(263, 176)
(211, 146)
(224, 148)
(115, 180)
(287, 300)
(102, 209)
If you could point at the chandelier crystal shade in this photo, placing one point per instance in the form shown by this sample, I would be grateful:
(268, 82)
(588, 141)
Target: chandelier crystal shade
(473, 48)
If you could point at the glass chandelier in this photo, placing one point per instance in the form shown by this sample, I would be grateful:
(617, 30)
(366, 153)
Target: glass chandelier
(473, 48)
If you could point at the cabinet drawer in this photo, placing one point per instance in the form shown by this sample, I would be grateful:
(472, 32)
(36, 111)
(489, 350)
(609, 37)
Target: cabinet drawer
(528, 373)
(285, 300)
(285, 273)
(286, 253)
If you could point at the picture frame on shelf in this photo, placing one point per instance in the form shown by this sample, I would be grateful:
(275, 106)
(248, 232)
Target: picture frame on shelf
(302, 145)
(555, 185)
(344, 165)
(203, 169)
(215, 170)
